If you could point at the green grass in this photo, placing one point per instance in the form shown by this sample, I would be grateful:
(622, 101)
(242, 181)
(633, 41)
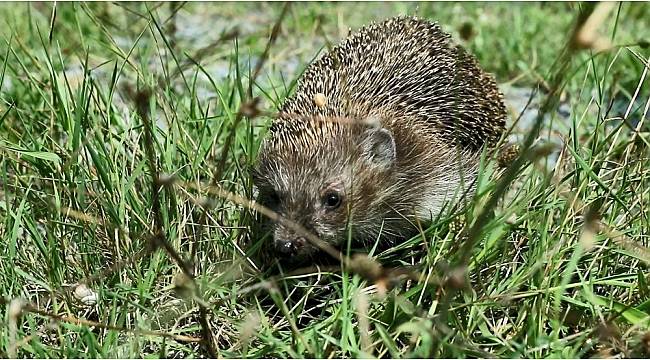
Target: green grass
(558, 269)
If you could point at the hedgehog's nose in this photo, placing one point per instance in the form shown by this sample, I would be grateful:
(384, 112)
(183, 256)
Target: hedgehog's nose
(291, 247)
(285, 248)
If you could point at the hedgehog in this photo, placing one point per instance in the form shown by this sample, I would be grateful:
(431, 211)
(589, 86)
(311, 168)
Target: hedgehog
(382, 132)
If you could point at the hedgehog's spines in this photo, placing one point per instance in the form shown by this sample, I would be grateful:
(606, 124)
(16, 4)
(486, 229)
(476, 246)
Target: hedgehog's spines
(405, 66)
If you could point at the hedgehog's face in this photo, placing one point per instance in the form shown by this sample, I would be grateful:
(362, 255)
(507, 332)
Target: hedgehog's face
(320, 187)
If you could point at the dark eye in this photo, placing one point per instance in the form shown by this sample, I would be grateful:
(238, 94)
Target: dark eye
(332, 200)
(271, 198)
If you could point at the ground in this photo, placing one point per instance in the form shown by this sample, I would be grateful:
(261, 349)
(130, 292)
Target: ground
(115, 119)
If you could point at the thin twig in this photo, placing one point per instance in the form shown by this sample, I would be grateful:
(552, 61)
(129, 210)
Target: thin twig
(360, 264)
(249, 105)
(563, 62)
(142, 100)
(248, 108)
(30, 308)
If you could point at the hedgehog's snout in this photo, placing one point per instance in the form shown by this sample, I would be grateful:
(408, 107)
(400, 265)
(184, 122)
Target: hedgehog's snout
(285, 248)
(287, 243)
(290, 247)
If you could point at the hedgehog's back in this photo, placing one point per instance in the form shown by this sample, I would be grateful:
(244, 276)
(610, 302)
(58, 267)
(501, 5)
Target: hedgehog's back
(405, 66)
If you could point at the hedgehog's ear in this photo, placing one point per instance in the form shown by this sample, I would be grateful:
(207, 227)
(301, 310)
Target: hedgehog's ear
(378, 147)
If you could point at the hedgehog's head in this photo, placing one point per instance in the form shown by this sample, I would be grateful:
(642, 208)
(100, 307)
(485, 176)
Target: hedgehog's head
(326, 176)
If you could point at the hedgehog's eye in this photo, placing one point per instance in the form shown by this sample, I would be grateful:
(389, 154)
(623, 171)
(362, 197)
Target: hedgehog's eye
(332, 200)
(271, 198)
